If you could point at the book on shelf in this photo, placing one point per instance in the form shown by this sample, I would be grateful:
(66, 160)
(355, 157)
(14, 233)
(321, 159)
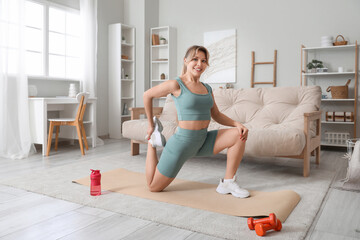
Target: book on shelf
(155, 39)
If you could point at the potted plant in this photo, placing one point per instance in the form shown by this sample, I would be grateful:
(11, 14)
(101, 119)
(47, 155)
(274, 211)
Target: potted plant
(314, 64)
(162, 40)
(123, 39)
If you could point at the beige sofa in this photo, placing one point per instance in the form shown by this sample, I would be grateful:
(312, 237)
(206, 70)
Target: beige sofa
(282, 121)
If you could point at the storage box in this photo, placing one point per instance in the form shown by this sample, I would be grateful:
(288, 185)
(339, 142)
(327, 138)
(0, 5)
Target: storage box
(336, 137)
(339, 116)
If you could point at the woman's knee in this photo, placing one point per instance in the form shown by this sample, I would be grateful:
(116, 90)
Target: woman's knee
(154, 188)
(236, 138)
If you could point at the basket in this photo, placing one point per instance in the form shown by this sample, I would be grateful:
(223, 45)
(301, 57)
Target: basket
(339, 92)
(339, 43)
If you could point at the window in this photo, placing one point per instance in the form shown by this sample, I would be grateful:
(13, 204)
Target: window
(9, 37)
(34, 44)
(52, 40)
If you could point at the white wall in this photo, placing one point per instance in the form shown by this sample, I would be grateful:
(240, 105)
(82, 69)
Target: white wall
(263, 26)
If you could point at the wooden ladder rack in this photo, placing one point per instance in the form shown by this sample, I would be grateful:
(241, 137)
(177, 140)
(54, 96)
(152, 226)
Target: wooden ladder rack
(253, 63)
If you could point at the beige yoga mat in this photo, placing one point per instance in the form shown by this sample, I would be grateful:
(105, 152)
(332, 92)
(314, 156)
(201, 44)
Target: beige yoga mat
(200, 195)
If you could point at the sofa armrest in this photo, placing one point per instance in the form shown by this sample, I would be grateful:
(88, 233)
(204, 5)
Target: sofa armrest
(136, 112)
(312, 116)
(312, 143)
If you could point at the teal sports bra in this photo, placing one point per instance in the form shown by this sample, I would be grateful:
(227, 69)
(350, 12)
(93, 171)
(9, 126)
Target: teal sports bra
(192, 106)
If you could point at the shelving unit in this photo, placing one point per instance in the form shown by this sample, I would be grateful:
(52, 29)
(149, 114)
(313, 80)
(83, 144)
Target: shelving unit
(162, 59)
(333, 57)
(122, 77)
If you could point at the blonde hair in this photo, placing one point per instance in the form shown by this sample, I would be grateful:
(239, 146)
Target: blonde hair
(191, 52)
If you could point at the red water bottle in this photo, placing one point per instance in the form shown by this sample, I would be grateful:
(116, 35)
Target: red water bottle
(95, 186)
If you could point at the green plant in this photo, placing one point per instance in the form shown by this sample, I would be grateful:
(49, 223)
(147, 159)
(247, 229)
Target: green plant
(315, 64)
(162, 38)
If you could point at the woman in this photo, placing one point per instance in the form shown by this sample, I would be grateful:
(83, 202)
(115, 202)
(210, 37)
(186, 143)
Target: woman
(195, 106)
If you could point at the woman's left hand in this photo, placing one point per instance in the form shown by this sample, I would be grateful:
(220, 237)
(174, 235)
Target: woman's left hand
(243, 131)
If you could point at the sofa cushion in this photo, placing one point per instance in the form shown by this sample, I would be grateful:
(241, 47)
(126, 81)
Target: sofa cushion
(136, 129)
(273, 141)
(169, 112)
(268, 107)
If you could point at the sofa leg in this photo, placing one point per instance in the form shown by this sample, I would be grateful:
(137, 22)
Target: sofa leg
(306, 165)
(135, 148)
(317, 160)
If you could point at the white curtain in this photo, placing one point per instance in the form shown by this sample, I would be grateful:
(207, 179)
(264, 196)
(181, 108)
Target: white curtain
(88, 16)
(15, 139)
(89, 30)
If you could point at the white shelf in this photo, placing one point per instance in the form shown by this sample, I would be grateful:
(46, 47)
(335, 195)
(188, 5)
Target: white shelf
(159, 80)
(127, 44)
(332, 47)
(162, 58)
(126, 60)
(338, 100)
(121, 90)
(328, 122)
(160, 45)
(323, 143)
(160, 28)
(159, 61)
(336, 56)
(329, 73)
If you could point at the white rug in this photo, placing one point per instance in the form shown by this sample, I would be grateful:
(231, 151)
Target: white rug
(268, 174)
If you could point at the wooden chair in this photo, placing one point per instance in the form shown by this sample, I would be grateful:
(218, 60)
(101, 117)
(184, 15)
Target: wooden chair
(76, 122)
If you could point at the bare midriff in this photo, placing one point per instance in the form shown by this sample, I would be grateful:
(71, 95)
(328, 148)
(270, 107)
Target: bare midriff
(194, 125)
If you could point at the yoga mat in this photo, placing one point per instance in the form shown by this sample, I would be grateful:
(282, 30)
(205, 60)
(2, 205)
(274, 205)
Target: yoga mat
(200, 195)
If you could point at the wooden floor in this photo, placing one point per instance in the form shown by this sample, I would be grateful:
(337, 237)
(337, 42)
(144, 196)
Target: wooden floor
(26, 215)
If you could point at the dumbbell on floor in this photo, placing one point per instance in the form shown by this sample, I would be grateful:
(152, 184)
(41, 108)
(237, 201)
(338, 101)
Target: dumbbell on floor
(261, 228)
(272, 220)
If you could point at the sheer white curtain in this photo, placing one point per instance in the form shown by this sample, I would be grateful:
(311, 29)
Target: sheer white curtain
(89, 30)
(15, 139)
(88, 15)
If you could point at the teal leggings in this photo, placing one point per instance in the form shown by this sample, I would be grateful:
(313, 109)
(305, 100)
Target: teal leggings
(185, 144)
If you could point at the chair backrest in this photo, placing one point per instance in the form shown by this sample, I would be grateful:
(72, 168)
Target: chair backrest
(82, 99)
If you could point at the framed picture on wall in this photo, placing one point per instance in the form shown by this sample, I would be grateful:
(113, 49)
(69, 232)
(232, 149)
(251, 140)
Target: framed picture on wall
(222, 48)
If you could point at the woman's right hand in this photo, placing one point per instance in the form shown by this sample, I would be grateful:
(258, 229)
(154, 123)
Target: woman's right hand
(149, 131)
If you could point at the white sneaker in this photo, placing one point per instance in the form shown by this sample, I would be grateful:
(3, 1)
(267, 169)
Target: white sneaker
(157, 139)
(231, 186)
(157, 124)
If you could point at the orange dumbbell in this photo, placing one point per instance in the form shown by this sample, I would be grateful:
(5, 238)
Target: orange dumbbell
(261, 228)
(268, 220)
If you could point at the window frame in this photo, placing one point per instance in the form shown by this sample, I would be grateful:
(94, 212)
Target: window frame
(47, 5)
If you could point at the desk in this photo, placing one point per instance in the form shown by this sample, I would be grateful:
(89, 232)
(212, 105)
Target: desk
(67, 108)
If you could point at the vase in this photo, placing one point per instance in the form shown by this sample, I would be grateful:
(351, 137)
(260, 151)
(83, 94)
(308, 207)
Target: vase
(72, 90)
